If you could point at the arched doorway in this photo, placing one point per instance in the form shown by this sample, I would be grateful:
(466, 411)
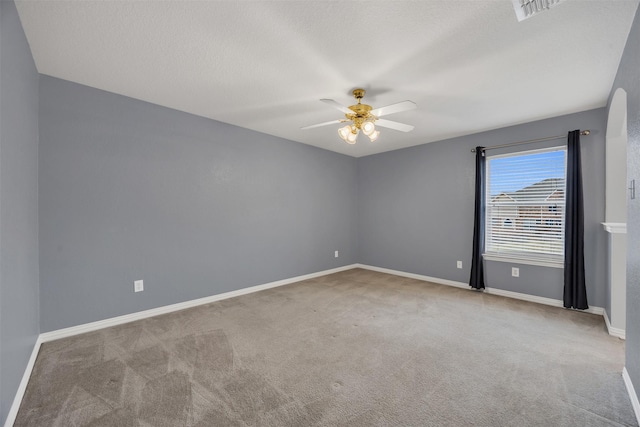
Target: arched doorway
(616, 210)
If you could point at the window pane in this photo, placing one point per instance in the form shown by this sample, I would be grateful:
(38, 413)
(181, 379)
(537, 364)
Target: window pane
(525, 205)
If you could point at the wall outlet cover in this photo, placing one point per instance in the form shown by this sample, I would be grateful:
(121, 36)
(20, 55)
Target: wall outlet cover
(515, 271)
(138, 286)
(459, 264)
(336, 254)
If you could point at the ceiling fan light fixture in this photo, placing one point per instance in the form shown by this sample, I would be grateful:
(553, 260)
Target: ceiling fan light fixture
(352, 137)
(368, 128)
(374, 135)
(343, 132)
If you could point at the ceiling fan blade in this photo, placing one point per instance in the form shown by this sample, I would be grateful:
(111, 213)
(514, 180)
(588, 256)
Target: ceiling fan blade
(323, 124)
(394, 108)
(337, 106)
(394, 125)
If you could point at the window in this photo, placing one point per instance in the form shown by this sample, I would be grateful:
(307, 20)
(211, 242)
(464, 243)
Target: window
(525, 206)
(530, 223)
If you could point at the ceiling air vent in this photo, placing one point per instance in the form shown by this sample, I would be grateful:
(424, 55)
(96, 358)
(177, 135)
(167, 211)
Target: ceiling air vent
(527, 8)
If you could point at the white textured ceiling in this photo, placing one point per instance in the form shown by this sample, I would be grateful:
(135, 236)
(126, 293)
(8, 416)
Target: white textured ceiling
(264, 65)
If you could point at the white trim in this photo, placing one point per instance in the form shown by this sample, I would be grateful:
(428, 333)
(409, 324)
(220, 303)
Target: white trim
(632, 393)
(494, 291)
(17, 400)
(414, 276)
(616, 332)
(516, 260)
(615, 227)
(113, 321)
(540, 300)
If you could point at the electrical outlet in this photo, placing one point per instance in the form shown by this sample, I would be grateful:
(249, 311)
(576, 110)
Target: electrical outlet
(336, 254)
(138, 286)
(515, 271)
(459, 264)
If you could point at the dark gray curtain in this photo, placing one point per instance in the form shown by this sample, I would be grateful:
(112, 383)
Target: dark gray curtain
(575, 291)
(477, 269)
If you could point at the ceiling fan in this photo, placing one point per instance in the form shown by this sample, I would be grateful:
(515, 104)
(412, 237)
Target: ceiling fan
(364, 118)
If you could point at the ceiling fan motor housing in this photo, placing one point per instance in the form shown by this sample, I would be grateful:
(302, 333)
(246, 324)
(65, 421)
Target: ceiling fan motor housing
(361, 112)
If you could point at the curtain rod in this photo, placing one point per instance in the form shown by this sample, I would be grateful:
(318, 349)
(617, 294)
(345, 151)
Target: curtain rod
(584, 132)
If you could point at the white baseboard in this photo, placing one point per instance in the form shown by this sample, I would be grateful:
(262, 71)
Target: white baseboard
(540, 300)
(414, 276)
(100, 324)
(13, 411)
(632, 393)
(616, 332)
(494, 291)
(113, 321)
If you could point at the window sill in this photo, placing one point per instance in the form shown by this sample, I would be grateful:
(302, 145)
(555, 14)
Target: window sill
(615, 227)
(516, 260)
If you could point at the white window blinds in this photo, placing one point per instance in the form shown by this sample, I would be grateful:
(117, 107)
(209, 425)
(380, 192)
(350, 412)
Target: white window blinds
(525, 205)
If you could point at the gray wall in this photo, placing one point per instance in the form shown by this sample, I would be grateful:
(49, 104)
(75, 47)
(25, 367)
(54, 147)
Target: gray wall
(628, 78)
(194, 207)
(18, 204)
(415, 208)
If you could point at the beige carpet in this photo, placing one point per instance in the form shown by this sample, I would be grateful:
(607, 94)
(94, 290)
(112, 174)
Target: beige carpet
(357, 348)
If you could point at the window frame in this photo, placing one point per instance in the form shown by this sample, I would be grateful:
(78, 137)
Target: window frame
(546, 260)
